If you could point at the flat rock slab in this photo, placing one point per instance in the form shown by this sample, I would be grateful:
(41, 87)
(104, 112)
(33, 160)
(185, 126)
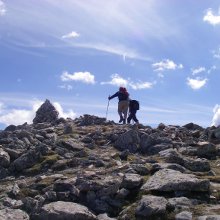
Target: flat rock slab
(167, 180)
(11, 214)
(64, 211)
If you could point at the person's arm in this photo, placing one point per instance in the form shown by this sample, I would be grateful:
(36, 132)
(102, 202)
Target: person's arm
(113, 96)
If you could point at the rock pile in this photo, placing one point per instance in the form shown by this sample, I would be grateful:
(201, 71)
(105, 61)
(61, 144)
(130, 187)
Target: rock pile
(88, 168)
(46, 113)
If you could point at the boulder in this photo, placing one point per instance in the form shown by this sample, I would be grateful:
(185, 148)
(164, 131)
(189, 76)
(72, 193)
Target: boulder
(4, 159)
(131, 181)
(129, 140)
(64, 210)
(184, 216)
(11, 214)
(151, 207)
(167, 180)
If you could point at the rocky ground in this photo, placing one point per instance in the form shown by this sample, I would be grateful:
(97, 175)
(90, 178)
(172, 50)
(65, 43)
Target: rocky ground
(90, 169)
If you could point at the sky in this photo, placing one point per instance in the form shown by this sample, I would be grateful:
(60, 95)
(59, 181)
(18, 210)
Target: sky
(76, 53)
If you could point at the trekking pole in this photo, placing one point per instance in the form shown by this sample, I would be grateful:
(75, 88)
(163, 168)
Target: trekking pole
(107, 111)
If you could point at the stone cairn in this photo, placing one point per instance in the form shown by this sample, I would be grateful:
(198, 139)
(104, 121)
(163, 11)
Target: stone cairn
(46, 113)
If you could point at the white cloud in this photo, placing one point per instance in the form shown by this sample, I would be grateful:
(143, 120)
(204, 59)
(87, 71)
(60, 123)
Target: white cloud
(20, 116)
(117, 80)
(72, 34)
(198, 70)
(141, 85)
(67, 87)
(69, 114)
(216, 116)
(196, 83)
(85, 77)
(211, 18)
(2, 8)
(166, 65)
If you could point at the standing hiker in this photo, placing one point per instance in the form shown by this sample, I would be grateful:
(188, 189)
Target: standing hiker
(123, 103)
(133, 107)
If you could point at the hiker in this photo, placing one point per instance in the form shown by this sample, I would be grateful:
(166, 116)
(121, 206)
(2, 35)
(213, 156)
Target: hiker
(133, 107)
(123, 103)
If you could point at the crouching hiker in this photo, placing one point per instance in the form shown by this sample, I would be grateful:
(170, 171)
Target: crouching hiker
(133, 107)
(123, 103)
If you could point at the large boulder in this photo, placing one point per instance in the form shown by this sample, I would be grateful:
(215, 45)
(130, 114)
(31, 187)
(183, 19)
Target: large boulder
(4, 158)
(64, 211)
(11, 214)
(129, 140)
(46, 113)
(167, 180)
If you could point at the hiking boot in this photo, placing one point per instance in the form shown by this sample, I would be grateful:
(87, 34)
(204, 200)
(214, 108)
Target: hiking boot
(121, 120)
(124, 121)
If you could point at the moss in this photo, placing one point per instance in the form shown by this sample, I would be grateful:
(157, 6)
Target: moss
(45, 161)
(131, 158)
(129, 212)
(215, 179)
(27, 192)
(48, 181)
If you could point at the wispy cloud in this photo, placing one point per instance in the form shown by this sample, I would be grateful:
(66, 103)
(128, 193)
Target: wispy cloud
(198, 70)
(116, 49)
(211, 18)
(19, 116)
(166, 65)
(2, 8)
(216, 116)
(196, 83)
(117, 80)
(70, 35)
(141, 85)
(85, 77)
(216, 53)
(211, 69)
(65, 86)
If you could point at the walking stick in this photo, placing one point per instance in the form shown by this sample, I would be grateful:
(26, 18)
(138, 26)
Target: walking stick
(107, 111)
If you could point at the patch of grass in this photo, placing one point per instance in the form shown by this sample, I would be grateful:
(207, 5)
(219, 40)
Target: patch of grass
(129, 212)
(27, 192)
(45, 161)
(215, 179)
(48, 181)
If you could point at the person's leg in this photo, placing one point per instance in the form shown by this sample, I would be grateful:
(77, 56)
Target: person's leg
(125, 110)
(129, 118)
(134, 116)
(120, 112)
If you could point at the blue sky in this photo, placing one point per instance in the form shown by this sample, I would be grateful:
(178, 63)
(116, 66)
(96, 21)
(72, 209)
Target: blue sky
(76, 53)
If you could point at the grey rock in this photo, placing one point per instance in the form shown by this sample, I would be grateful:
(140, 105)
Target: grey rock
(64, 210)
(209, 217)
(151, 207)
(170, 180)
(129, 140)
(184, 216)
(11, 214)
(71, 144)
(104, 217)
(4, 158)
(131, 181)
(206, 150)
(181, 203)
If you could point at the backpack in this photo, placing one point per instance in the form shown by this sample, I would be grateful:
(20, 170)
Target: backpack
(134, 104)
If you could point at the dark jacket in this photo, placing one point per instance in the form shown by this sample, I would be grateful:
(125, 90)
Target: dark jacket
(121, 96)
